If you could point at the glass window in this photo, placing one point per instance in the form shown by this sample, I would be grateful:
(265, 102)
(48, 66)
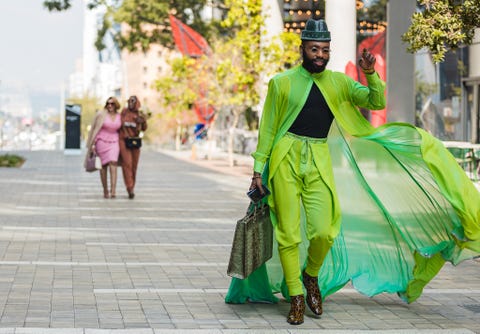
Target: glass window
(438, 94)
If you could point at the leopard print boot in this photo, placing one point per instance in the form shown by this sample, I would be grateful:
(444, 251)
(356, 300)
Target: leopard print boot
(314, 297)
(297, 310)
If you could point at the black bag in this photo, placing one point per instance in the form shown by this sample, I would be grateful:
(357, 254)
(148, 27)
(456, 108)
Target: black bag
(252, 242)
(133, 142)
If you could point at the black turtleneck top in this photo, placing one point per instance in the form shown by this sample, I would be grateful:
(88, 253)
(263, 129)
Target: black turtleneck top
(315, 118)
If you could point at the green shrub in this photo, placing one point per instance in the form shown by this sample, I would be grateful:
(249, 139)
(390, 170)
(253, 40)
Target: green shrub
(11, 160)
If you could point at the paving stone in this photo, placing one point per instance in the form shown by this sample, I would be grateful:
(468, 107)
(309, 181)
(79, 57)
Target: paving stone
(72, 262)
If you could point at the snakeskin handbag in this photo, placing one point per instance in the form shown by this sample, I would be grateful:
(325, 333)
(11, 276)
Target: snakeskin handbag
(252, 242)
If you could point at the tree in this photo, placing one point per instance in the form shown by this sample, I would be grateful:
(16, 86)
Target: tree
(179, 92)
(281, 53)
(245, 59)
(147, 20)
(57, 5)
(232, 75)
(374, 12)
(441, 25)
(239, 67)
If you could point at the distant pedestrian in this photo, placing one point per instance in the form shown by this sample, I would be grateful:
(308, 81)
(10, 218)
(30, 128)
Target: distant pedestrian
(103, 139)
(133, 122)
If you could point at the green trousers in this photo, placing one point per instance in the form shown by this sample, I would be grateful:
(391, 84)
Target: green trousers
(304, 180)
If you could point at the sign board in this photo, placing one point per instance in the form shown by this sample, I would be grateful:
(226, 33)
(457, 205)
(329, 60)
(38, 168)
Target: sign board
(72, 126)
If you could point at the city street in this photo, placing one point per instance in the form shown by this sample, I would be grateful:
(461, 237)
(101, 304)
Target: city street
(72, 262)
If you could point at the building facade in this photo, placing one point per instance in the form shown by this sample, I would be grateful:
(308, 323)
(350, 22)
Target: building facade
(447, 93)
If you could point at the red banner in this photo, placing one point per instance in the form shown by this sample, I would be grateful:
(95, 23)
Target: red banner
(189, 42)
(376, 45)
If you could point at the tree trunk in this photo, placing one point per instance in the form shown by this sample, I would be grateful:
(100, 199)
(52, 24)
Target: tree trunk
(231, 133)
(211, 140)
(178, 134)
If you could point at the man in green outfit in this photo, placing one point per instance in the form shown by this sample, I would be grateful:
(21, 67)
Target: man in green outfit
(293, 156)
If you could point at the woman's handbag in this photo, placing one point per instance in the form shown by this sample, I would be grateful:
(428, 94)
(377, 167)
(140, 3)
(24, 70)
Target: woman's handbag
(133, 142)
(252, 241)
(93, 162)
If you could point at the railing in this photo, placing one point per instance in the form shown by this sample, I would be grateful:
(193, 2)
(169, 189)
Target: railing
(467, 155)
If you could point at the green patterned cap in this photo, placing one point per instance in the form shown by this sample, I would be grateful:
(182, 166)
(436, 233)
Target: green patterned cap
(316, 30)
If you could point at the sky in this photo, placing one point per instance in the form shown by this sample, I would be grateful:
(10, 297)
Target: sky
(39, 48)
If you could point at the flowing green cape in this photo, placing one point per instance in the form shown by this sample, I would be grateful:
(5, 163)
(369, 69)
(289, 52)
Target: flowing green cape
(407, 207)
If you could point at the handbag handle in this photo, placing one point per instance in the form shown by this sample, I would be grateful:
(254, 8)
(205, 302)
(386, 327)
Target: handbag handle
(254, 208)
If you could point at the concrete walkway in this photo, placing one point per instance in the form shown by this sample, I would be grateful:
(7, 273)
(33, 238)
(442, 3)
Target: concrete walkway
(74, 262)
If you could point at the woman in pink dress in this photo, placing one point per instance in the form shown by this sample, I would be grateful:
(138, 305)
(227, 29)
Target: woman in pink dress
(103, 139)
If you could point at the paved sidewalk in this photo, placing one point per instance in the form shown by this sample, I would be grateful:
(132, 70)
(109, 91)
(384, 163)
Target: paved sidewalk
(72, 262)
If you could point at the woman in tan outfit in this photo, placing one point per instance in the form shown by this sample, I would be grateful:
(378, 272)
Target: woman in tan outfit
(133, 121)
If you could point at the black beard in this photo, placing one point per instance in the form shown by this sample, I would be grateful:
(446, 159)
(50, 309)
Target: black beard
(311, 67)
